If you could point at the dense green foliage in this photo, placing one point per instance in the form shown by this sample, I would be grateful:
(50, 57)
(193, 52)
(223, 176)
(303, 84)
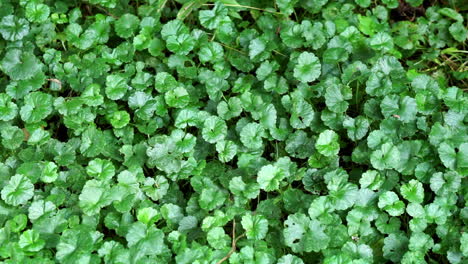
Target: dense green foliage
(235, 131)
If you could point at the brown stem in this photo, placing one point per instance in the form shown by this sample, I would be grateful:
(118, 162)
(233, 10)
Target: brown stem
(233, 244)
(450, 63)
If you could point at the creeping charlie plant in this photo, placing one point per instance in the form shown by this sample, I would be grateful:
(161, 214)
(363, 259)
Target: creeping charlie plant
(233, 131)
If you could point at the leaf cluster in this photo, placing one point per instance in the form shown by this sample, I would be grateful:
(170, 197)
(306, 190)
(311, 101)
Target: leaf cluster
(235, 131)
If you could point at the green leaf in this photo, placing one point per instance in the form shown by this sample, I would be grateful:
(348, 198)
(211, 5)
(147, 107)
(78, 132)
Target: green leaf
(230, 109)
(299, 145)
(464, 244)
(100, 169)
(8, 109)
(40, 208)
(335, 55)
(19, 190)
(119, 119)
(302, 114)
(145, 241)
(94, 196)
(415, 210)
(49, 172)
(78, 38)
(327, 143)
(105, 3)
(336, 96)
(37, 13)
(381, 42)
(462, 158)
(259, 49)
(387, 157)
(226, 150)
(30, 241)
(445, 183)
(372, 180)
(403, 109)
(217, 238)
(20, 65)
(391, 3)
(449, 12)
(447, 155)
(12, 137)
(290, 259)
(210, 19)
(458, 31)
(211, 198)
(314, 6)
(116, 87)
(173, 28)
(214, 129)
(187, 8)
(92, 142)
(420, 242)
(177, 97)
(164, 82)
(92, 96)
(238, 187)
(76, 244)
(18, 223)
(251, 136)
(413, 191)
(292, 33)
(308, 67)
(315, 34)
(212, 52)
(13, 28)
(394, 246)
(363, 3)
(415, 3)
(156, 188)
(181, 44)
(389, 202)
(286, 6)
(269, 177)
(37, 106)
(302, 234)
(342, 195)
(126, 25)
(357, 128)
(255, 226)
(148, 215)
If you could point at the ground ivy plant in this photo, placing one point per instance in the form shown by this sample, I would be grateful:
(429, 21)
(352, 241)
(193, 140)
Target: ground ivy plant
(233, 131)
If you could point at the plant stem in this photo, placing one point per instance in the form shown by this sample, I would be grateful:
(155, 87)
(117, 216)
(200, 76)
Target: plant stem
(233, 244)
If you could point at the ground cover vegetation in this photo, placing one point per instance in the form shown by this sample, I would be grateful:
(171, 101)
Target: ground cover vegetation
(233, 131)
